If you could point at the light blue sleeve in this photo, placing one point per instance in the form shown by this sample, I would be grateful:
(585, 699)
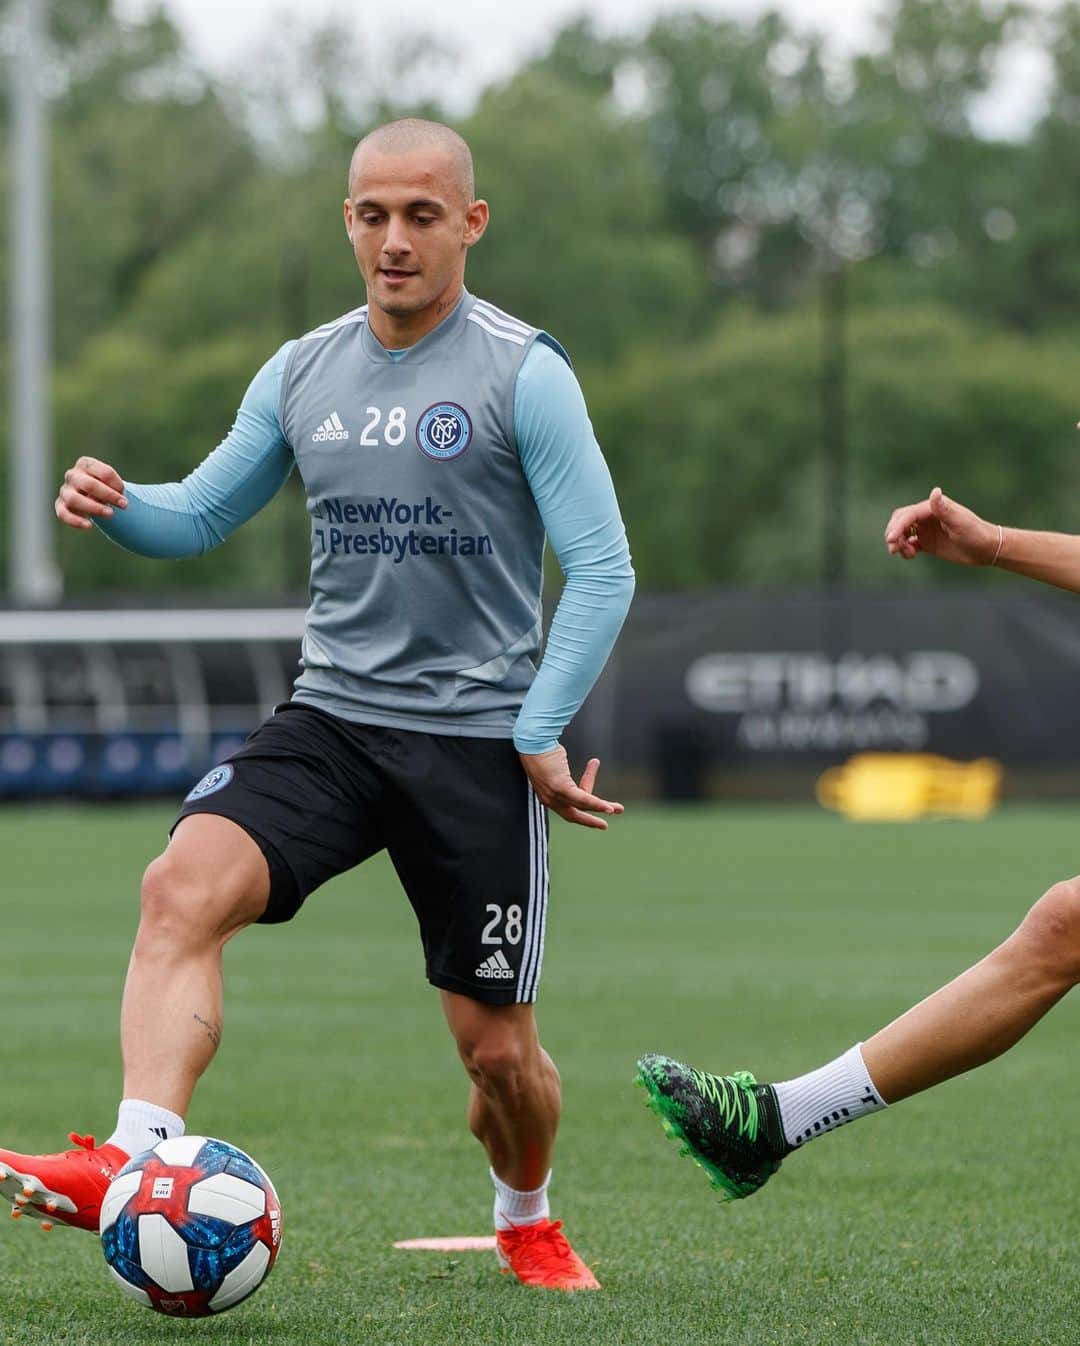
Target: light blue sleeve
(249, 467)
(576, 499)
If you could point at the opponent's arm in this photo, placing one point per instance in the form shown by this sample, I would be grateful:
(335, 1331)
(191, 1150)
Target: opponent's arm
(574, 494)
(945, 528)
(189, 517)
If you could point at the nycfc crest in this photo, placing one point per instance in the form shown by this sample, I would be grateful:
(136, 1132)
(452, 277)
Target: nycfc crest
(212, 782)
(445, 430)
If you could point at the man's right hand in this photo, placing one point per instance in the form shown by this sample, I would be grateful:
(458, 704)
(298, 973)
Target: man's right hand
(91, 488)
(944, 528)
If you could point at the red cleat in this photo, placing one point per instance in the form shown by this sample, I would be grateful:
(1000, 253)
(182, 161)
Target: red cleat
(66, 1187)
(540, 1254)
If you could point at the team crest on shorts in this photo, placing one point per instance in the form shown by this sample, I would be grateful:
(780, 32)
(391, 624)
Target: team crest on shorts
(211, 783)
(444, 431)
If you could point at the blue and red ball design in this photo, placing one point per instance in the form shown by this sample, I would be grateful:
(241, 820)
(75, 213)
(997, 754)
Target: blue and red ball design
(192, 1227)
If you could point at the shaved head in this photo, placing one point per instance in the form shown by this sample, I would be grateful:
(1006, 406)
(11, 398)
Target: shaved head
(413, 133)
(411, 217)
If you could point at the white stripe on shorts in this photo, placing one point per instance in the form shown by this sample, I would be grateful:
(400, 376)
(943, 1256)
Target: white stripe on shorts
(541, 824)
(532, 956)
(530, 914)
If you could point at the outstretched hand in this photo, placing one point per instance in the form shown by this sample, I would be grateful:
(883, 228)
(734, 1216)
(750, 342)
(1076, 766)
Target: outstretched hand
(91, 488)
(944, 528)
(557, 790)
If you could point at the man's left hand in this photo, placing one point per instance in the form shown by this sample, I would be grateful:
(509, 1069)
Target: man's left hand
(556, 789)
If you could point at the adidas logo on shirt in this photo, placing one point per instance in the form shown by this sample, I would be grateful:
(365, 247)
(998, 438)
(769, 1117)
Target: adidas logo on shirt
(496, 968)
(331, 428)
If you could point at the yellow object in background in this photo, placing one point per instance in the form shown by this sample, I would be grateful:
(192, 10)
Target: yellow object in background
(900, 787)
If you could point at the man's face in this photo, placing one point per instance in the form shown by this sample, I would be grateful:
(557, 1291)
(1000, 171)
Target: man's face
(410, 228)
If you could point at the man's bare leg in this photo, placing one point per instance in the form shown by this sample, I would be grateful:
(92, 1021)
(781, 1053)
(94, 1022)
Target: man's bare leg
(515, 1101)
(516, 1098)
(977, 1016)
(988, 1008)
(209, 883)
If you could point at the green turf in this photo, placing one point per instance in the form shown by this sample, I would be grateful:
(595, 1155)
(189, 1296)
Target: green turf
(767, 939)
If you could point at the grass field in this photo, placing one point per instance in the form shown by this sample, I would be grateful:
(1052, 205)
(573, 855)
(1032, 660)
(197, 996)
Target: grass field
(767, 939)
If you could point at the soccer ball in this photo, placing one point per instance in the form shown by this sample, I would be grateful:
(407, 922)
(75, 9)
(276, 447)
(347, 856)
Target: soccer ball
(191, 1227)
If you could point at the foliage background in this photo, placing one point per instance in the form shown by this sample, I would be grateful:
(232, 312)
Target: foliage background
(670, 205)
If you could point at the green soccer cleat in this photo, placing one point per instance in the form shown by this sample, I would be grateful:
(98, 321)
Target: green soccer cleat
(728, 1124)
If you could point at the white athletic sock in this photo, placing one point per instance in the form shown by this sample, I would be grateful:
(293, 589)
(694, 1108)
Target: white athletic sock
(139, 1126)
(827, 1098)
(517, 1208)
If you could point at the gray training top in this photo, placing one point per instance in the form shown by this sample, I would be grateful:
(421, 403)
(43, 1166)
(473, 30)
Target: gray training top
(431, 475)
(440, 528)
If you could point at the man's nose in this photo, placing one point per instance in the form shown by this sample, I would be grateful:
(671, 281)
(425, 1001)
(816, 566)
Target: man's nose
(397, 240)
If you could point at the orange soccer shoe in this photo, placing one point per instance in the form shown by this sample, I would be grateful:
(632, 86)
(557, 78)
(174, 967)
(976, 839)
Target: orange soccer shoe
(540, 1254)
(68, 1187)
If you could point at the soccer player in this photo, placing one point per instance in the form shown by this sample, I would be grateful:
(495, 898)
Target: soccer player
(737, 1130)
(439, 439)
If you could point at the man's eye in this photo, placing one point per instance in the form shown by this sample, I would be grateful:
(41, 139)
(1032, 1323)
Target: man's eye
(425, 219)
(370, 217)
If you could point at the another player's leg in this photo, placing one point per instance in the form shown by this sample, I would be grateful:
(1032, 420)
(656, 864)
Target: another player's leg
(739, 1130)
(514, 1108)
(210, 882)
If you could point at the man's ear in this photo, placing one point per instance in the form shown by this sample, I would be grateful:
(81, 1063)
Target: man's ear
(476, 222)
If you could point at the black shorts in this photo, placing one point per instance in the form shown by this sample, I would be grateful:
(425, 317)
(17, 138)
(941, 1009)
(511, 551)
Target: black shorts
(458, 816)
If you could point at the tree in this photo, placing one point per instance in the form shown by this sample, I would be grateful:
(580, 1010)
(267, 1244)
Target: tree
(772, 153)
(578, 242)
(661, 203)
(716, 452)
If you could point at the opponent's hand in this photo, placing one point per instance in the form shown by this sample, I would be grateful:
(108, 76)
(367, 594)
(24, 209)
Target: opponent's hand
(90, 488)
(556, 788)
(944, 528)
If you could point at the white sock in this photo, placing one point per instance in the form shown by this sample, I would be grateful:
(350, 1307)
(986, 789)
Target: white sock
(140, 1126)
(517, 1208)
(827, 1098)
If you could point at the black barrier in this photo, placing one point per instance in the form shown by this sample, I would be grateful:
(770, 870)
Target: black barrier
(698, 683)
(766, 680)
(122, 703)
